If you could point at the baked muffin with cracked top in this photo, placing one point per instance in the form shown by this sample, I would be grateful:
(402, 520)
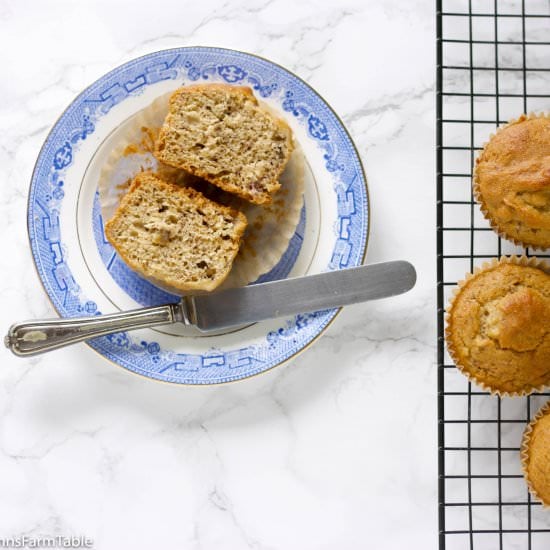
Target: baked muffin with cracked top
(535, 455)
(498, 326)
(512, 181)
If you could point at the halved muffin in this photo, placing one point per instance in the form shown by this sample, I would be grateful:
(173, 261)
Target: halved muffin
(221, 133)
(175, 236)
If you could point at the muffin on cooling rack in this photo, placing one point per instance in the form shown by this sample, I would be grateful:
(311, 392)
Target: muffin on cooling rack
(498, 326)
(535, 455)
(512, 181)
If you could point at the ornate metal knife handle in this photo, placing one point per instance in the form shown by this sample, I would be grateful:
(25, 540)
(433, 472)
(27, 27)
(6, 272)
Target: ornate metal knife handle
(33, 337)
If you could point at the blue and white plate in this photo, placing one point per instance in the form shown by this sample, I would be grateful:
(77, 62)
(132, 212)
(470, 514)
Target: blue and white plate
(82, 274)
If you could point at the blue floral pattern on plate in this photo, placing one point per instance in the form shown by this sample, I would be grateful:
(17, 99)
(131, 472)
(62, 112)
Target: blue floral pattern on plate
(79, 121)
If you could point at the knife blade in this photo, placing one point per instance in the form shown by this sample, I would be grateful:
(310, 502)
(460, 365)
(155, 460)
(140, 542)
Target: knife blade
(241, 306)
(224, 309)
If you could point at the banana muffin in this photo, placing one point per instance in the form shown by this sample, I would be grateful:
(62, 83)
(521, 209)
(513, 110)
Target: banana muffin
(498, 326)
(174, 236)
(512, 181)
(535, 455)
(222, 134)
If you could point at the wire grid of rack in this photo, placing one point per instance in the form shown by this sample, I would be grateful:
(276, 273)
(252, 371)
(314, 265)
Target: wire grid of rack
(493, 63)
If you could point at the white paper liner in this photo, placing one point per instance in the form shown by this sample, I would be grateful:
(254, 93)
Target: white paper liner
(270, 227)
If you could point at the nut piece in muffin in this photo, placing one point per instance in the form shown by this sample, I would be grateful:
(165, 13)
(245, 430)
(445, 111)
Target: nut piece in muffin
(221, 133)
(512, 181)
(174, 236)
(535, 455)
(498, 327)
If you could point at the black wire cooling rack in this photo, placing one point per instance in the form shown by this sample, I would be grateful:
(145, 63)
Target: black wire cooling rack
(493, 63)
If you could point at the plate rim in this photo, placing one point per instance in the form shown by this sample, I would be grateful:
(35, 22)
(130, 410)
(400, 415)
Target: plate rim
(111, 72)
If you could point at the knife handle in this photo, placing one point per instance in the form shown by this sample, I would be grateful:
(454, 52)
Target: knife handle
(34, 337)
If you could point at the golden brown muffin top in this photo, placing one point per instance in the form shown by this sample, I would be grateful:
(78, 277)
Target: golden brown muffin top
(513, 180)
(538, 457)
(499, 328)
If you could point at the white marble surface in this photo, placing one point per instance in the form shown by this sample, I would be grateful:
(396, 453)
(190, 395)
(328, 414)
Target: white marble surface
(335, 450)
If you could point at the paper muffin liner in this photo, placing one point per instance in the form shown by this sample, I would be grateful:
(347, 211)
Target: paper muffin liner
(531, 261)
(270, 227)
(525, 451)
(477, 191)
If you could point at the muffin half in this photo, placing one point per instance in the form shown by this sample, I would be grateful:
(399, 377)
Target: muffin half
(174, 236)
(222, 134)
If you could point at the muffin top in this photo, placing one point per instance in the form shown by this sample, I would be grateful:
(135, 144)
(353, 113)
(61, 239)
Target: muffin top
(498, 328)
(536, 456)
(512, 181)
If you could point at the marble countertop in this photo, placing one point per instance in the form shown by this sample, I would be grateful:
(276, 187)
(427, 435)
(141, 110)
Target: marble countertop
(338, 449)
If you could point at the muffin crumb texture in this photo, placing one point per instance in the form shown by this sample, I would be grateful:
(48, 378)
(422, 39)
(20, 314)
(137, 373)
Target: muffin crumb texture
(221, 133)
(499, 328)
(175, 235)
(513, 181)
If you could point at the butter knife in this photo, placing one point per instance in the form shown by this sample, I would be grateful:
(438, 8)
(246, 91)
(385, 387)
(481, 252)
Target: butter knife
(227, 308)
